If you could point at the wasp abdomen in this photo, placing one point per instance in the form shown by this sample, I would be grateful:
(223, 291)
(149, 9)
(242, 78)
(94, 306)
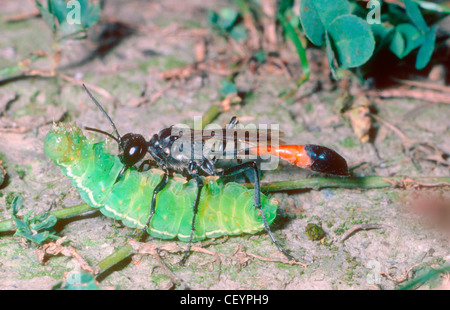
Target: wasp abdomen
(310, 156)
(326, 160)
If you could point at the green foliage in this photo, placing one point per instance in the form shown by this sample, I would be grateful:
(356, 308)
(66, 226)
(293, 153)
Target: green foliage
(317, 16)
(426, 49)
(81, 281)
(225, 22)
(37, 229)
(429, 275)
(348, 38)
(70, 19)
(405, 39)
(289, 28)
(228, 88)
(412, 10)
(260, 56)
(352, 32)
(404, 35)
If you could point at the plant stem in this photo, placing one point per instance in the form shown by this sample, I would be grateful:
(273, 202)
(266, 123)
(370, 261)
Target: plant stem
(116, 257)
(292, 34)
(371, 182)
(8, 225)
(210, 115)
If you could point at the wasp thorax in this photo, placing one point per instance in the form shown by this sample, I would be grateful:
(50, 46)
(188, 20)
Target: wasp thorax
(133, 147)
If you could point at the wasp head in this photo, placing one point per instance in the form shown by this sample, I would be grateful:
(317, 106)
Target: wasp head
(133, 148)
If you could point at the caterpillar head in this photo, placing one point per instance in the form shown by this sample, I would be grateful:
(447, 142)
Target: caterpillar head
(63, 142)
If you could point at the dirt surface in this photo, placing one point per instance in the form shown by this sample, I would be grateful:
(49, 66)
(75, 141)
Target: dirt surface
(164, 36)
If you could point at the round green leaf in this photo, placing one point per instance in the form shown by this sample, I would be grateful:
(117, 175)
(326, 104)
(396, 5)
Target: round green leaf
(352, 40)
(316, 16)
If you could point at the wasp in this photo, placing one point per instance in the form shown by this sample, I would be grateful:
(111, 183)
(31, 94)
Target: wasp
(176, 151)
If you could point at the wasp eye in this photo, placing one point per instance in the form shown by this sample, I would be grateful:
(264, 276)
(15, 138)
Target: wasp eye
(134, 148)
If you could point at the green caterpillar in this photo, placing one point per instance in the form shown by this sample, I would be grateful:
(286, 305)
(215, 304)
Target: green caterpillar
(224, 209)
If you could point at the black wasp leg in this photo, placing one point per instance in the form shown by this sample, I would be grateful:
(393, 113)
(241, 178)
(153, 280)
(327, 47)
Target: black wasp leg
(146, 162)
(140, 168)
(194, 210)
(242, 168)
(232, 123)
(124, 168)
(157, 189)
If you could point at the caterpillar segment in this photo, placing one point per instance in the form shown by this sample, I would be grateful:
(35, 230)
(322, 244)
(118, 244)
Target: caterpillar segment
(224, 209)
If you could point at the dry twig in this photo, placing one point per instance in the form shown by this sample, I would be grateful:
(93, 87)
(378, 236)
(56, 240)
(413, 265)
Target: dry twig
(359, 227)
(405, 275)
(153, 249)
(432, 96)
(56, 248)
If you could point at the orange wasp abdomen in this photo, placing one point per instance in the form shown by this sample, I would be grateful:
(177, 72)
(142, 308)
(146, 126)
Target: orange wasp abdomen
(310, 156)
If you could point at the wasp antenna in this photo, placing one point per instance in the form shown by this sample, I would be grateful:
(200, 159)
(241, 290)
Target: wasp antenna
(104, 112)
(102, 132)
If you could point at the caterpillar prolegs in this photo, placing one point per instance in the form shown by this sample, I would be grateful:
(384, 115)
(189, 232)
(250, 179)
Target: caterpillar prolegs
(224, 209)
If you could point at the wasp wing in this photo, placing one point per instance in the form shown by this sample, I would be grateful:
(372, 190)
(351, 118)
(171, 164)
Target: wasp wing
(226, 142)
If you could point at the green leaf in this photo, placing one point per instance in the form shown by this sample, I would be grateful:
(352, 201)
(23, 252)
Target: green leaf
(212, 18)
(38, 238)
(90, 14)
(16, 204)
(383, 35)
(397, 45)
(21, 226)
(43, 222)
(47, 16)
(228, 88)
(37, 229)
(413, 37)
(80, 281)
(380, 31)
(413, 11)
(260, 56)
(59, 9)
(238, 32)
(317, 16)
(353, 40)
(227, 18)
(427, 49)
